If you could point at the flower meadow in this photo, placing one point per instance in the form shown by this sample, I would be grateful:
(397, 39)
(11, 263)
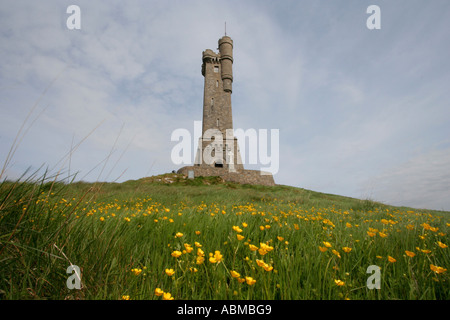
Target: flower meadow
(151, 241)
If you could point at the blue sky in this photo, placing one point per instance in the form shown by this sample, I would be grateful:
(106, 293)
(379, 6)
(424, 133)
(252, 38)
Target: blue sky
(361, 113)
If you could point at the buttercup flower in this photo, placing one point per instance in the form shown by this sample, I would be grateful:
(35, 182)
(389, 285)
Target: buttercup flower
(335, 252)
(327, 244)
(167, 296)
(200, 260)
(159, 292)
(340, 283)
(237, 229)
(170, 272)
(136, 271)
(250, 281)
(260, 263)
(197, 244)
(442, 245)
(437, 269)
(176, 254)
(188, 248)
(216, 258)
(410, 254)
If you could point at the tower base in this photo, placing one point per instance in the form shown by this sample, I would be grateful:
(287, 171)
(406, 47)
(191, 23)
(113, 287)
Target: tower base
(240, 176)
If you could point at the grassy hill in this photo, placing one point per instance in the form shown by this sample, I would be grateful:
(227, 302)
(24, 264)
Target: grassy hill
(169, 237)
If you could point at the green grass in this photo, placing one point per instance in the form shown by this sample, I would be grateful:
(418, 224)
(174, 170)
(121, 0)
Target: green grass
(108, 229)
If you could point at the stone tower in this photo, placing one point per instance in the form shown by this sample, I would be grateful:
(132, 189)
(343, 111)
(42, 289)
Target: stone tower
(217, 139)
(218, 151)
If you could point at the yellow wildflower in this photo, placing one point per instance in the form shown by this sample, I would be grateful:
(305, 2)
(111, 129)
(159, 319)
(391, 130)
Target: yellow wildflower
(237, 229)
(266, 246)
(252, 247)
(167, 296)
(250, 281)
(426, 226)
(178, 235)
(267, 267)
(197, 232)
(125, 297)
(176, 254)
(340, 283)
(216, 258)
(442, 245)
(392, 260)
(323, 249)
(346, 249)
(280, 238)
(197, 244)
(327, 244)
(200, 260)
(136, 271)
(336, 253)
(437, 269)
(245, 225)
(234, 274)
(170, 272)
(159, 292)
(410, 254)
(188, 248)
(260, 263)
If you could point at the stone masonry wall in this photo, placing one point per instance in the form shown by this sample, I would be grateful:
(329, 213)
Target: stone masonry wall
(241, 176)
